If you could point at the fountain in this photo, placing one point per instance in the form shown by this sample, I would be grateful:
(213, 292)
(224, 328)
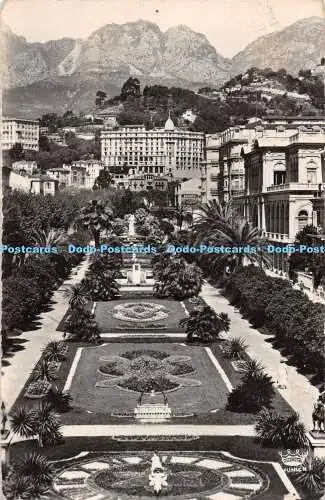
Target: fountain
(152, 412)
(157, 476)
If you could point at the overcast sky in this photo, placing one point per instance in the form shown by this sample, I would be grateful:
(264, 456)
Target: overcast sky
(228, 24)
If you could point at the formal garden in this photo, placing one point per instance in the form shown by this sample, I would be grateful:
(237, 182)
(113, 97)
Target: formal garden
(122, 349)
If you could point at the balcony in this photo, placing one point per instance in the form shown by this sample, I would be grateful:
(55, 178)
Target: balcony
(237, 171)
(295, 186)
(278, 237)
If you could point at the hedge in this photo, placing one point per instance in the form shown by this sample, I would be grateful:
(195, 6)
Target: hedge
(295, 321)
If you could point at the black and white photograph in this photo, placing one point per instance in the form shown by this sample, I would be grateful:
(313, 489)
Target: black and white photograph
(162, 249)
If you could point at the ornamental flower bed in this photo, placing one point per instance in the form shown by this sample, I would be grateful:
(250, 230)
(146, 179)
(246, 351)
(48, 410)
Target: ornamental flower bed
(146, 370)
(37, 389)
(140, 312)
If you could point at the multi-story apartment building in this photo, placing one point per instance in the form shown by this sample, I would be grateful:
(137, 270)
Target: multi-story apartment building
(167, 150)
(24, 132)
(284, 180)
(210, 169)
(231, 163)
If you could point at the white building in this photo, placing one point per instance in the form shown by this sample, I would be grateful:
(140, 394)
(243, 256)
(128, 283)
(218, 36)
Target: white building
(210, 169)
(24, 166)
(80, 174)
(189, 116)
(37, 184)
(188, 193)
(284, 183)
(24, 132)
(167, 150)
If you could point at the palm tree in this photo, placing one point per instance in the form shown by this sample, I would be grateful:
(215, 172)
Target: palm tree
(47, 424)
(55, 351)
(76, 296)
(44, 371)
(213, 215)
(254, 393)
(281, 431)
(41, 422)
(95, 216)
(59, 400)
(52, 237)
(22, 422)
(235, 348)
(313, 478)
(240, 233)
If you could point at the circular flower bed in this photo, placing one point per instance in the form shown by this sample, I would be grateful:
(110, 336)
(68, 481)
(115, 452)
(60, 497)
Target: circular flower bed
(140, 312)
(182, 479)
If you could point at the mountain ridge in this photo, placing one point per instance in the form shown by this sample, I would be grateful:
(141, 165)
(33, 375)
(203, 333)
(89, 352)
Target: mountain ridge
(178, 56)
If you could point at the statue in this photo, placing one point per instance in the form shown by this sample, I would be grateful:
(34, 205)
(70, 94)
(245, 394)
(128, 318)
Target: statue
(157, 476)
(131, 231)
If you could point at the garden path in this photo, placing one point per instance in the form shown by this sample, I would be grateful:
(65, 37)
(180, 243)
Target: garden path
(152, 430)
(300, 393)
(21, 364)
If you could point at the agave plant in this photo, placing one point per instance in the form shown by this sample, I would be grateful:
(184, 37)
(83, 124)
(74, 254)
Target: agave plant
(17, 487)
(312, 479)
(235, 348)
(251, 367)
(76, 296)
(95, 216)
(55, 351)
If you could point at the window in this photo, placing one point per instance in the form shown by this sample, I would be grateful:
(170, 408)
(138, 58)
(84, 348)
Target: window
(302, 219)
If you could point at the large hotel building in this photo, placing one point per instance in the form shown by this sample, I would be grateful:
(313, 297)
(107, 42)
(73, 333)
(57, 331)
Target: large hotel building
(168, 151)
(24, 132)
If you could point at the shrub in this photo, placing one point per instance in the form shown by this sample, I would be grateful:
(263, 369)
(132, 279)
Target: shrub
(55, 351)
(294, 320)
(59, 400)
(312, 480)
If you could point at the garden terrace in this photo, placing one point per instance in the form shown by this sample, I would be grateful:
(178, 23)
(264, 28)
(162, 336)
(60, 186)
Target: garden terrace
(203, 404)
